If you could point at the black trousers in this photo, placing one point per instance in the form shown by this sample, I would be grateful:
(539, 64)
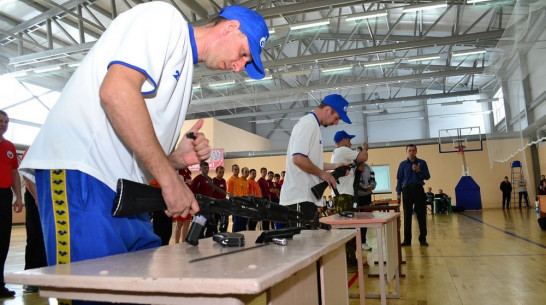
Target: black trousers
(307, 208)
(6, 201)
(524, 195)
(506, 199)
(163, 226)
(364, 200)
(35, 254)
(414, 199)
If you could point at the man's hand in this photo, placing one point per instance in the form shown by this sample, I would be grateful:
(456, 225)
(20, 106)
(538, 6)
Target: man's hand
(365, 146)
(18, 205)
(179, 199)
(416, 167)
(191, 151)
(326, 176)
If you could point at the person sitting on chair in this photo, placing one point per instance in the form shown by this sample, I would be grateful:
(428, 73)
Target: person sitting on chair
(430, 199)
(443, 205)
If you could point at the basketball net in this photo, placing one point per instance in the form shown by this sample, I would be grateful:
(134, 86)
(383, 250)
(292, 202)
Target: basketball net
(460, 151)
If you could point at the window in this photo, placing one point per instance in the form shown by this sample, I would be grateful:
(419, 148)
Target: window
(498, 107)
(383, 178)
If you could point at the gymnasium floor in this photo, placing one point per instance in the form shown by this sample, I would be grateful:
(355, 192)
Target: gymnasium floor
(474, 258)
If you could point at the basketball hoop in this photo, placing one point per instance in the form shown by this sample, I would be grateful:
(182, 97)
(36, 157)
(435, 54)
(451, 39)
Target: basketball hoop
(460, 150)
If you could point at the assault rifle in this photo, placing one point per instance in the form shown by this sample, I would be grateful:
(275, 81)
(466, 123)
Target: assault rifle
(133, 198)
(339, 172)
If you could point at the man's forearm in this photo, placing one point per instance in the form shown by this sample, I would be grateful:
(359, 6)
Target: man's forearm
(362, 156)
(31, 186)
(16, 183)
(306, 165)
(331, 166)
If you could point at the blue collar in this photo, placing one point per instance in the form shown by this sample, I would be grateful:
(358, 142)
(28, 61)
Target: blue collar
(316, 118)
(193, 45)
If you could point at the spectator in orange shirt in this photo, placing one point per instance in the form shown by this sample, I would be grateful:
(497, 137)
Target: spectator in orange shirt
(236, 187)
(253, 190)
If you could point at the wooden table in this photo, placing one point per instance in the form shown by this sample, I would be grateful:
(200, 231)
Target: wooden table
(386, 237)
(387, 206)
(310, 268)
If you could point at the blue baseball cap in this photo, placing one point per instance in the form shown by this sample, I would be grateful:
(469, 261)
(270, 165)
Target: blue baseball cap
(340, 135)
(339, 104)
(254, 27)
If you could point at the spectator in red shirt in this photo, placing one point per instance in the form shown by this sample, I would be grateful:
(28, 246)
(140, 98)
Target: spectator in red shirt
(202, 184)
(183, 223)
(274, 193)
(264, 187)
(10, 183)
(221, 184)
(281, 181)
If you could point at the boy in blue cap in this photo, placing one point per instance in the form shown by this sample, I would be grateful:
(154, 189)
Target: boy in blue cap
(304, 157)
(120, 116)
(344, 201)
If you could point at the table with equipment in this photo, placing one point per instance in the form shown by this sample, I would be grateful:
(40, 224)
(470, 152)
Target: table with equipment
(310, 269)
(387, 206)
(387, 245)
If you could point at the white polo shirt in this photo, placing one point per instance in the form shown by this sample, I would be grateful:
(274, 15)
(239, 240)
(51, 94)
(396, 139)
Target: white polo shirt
(345, 155)
(305, 140)
(152, 38)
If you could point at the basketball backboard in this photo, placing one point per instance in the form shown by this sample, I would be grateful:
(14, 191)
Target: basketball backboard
(457, 140)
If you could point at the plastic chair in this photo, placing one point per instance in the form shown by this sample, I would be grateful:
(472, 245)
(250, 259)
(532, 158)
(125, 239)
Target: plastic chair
(430, 206)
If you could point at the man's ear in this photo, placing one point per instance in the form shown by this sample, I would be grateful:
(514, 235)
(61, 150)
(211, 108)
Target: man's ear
(230, 26)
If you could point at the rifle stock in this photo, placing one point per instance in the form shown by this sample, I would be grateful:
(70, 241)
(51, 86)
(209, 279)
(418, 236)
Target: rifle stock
(339, 172)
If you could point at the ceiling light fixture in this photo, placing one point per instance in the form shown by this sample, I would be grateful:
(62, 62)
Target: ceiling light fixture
(251, 80)
(222, 83)
(271, 31)
(475, 1)
(451, 103)
(47, 69)
(265, 121)
(379, 63)
(468, 52)
(424, 6)
(423, 58)
(196, 87)
(368, 111)
(367, 15)
(296, 72)
(487, 100)
(337, 69)
(307, 25)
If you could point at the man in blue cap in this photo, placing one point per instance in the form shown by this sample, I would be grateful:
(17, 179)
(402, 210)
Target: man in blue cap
(344, 201)
(120, 116)
(304, 157)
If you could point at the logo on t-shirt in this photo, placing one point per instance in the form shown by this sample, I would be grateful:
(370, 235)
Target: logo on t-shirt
(176, 74)
(10, 154)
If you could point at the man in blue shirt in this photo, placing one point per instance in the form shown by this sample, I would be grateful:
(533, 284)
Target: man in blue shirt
(411, 175)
